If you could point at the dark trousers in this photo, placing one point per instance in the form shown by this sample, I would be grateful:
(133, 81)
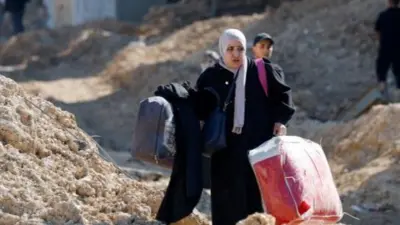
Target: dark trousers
(17, 20)
(206, 165)
(385, 61)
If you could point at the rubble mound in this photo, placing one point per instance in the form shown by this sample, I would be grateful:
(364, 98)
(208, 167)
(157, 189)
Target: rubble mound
(162, 20)
(365, 147)
(88, 43)
(112, 25)
(165, 60)
(326, 48)
(327, 51)
(364, 156)
(357, 141)
(258, 219)
(52, 172)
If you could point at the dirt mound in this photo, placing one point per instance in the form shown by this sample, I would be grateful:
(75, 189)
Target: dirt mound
(161, 20)
(52, 173)
(358, 141)
(176, 47)
(367, 146)
(112, 25)
(166, 19)
(258, 219)
(90, 43)
(326, 49)
(310, 35)
(364, 155)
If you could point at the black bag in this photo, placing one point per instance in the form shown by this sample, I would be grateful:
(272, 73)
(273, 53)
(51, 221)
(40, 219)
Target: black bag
(154, 136)
(214, 127)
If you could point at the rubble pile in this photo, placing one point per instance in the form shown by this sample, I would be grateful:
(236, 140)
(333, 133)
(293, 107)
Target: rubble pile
(52, 171)
(44, 48)
(140, 66)
(327, 50)
(336, 33)
(162, 20)
(364, 155)
(258, 219)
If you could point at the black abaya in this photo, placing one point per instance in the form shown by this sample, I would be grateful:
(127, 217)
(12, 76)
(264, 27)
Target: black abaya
(234, 190)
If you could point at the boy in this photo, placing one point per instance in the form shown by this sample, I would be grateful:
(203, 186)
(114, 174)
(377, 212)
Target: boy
(263, 46)
(387, 28)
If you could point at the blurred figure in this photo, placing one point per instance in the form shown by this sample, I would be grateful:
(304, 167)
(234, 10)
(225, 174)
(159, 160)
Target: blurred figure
(210, 57)
(17, 10)
(387, 28)
(263, 46)
(2, 12)
(272, 6)
(42, 15)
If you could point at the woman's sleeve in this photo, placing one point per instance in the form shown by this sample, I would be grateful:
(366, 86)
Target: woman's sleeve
(281, 94)
(205, 101)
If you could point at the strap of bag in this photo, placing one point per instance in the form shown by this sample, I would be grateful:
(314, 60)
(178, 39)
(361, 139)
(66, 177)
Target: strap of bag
(230, 92)
(262, 74)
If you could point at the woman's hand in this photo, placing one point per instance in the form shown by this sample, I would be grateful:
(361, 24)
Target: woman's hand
(279, 129)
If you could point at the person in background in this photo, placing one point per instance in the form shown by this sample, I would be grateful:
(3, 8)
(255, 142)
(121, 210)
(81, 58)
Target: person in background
(272, 6)
(43, 14)
(263, 46)
(252, 118)
(2, 12)
(387, 28)
(17, 10)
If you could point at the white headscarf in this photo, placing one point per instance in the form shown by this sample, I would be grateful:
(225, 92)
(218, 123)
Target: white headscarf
(240, 99)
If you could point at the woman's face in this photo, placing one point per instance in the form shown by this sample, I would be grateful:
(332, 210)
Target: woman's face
(233, 55)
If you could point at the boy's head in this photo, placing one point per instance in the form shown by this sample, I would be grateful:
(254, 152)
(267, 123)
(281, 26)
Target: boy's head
(263, 45)
(393, 3)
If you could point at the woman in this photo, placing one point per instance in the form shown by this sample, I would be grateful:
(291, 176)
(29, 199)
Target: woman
(252, 118)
